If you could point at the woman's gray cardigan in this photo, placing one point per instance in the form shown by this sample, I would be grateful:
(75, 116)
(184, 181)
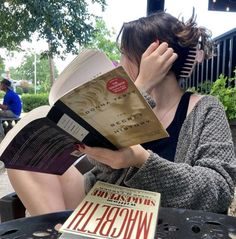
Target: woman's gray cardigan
(203, 174)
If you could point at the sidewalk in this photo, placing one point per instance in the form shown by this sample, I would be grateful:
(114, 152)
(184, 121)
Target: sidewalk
(5, 185)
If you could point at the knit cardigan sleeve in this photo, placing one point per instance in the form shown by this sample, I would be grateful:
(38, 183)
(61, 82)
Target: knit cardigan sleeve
(203, 174)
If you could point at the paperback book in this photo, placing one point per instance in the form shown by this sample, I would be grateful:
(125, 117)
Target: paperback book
(112, 211)
(91, 102)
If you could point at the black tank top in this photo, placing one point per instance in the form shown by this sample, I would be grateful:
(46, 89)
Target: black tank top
(166, 147)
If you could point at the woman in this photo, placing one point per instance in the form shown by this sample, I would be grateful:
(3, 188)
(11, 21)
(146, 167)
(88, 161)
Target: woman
(194, 168)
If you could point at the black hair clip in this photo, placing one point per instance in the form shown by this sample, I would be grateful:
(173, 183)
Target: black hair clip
(188, 66)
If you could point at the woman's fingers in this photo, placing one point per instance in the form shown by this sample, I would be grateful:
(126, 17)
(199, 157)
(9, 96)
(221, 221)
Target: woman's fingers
(165, 55)
(103, 155)
(114, 159)
(169, 58)
(150, 49)
(172, 59)
(123, 158)
(58, 226)
(161, 49)
(161, 52)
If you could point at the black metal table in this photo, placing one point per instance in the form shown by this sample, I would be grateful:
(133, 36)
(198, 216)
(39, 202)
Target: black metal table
(172, 224)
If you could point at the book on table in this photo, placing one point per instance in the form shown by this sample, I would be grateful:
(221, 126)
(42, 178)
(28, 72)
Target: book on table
(92, 102)
(112, 211)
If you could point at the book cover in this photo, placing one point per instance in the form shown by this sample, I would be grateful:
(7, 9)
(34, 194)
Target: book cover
(113, 106)
(112, 211)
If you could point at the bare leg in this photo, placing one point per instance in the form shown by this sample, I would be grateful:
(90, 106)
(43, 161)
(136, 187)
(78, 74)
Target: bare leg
(46, 193)
(72, 184)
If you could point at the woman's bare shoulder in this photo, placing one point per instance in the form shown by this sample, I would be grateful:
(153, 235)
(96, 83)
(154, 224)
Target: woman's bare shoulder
(194, 99)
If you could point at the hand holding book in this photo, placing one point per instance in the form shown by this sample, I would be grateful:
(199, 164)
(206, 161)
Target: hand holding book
(92, 103)
(133, 156)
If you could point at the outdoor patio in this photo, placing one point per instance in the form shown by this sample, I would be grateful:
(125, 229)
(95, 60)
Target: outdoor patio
(223, 62)
(6, 188)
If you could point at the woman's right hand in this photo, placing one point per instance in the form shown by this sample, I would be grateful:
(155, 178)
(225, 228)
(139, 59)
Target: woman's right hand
(155, 64)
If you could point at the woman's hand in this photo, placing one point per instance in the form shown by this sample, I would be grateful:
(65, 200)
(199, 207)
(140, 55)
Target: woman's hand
(134, 156)
(155, 64)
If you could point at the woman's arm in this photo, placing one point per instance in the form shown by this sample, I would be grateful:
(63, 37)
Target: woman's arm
(205, 177)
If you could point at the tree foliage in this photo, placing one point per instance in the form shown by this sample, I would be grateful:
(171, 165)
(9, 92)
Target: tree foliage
(104, 39)
(26, 72)
(2, 65)
(224, 88)
(62, 23)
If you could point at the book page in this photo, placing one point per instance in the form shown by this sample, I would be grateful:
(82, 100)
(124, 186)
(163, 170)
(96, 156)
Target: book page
(37, 143)
(114, 106)
(86, 66)
(34, 114)
(112, 211)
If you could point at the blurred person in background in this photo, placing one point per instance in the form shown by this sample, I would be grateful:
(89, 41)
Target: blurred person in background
(11, 106)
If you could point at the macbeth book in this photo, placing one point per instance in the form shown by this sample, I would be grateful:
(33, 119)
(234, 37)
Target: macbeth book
(112, 211)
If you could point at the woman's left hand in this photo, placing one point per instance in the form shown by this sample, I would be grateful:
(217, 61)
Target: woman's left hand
(134, 156)
(155, 64)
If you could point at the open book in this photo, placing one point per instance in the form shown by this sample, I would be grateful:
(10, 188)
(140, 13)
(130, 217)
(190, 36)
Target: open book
(112, 211)
(91, 102)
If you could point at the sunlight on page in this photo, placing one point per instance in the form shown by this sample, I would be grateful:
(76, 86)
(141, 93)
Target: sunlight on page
(82, 69)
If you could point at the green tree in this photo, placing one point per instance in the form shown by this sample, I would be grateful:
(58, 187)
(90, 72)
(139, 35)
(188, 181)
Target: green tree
(2, 65)
(103, 39)
(62, 23)
(43, 74)
(27, 70)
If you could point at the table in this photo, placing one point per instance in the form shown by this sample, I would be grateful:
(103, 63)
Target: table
(172, 224)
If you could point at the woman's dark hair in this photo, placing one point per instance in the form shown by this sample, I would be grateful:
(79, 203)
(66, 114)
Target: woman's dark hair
(182, 36)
